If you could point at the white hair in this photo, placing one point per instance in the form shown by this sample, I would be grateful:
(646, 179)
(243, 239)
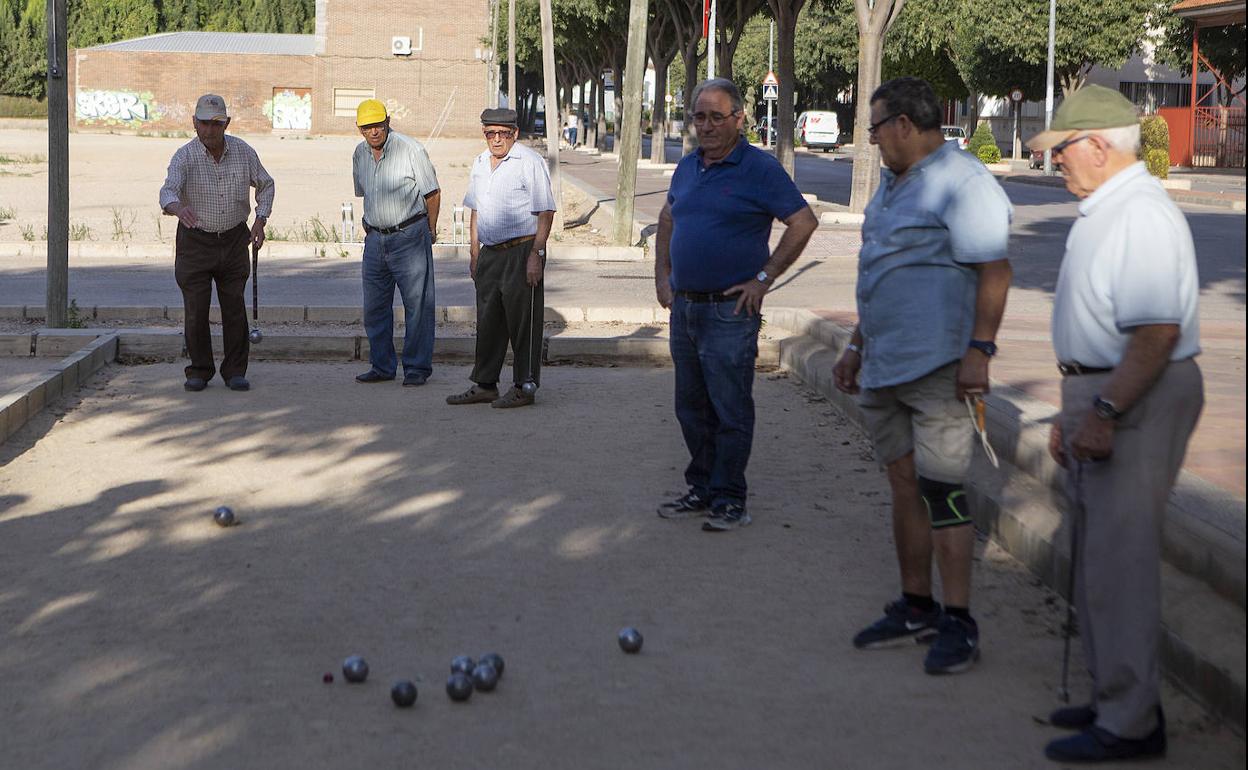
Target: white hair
(1123, 138)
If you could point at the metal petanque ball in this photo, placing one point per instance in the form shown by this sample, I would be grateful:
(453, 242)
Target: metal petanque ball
(462, 664)
(459, 687)
(254, 336)
(529, 387)
(355, 669)
(484, 677)
(403, 693)
(495, 660)
(630, 640)
(224, 516)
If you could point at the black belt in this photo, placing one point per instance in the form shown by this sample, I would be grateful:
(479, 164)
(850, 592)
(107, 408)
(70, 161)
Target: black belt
(400, 226)
(711, 296)
(1076, 369)
(511, 244)
(217, 233)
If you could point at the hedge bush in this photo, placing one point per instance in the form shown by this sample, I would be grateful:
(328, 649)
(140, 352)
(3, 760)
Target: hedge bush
(1154, 134)
(989, 153)
(1158, 162)
(982, 137)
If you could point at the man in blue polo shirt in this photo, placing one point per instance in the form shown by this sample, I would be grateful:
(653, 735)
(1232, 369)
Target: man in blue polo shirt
(712, 268)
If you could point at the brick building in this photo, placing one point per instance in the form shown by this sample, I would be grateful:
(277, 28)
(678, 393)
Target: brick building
(426, 63)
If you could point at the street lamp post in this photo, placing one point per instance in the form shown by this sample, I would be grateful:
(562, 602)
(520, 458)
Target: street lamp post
(1048, 86)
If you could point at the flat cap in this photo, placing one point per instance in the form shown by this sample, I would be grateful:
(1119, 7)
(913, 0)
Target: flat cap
(500, 116)
(1088, 109)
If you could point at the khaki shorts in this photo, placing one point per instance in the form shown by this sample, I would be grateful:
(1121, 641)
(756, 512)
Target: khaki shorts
(923, 416)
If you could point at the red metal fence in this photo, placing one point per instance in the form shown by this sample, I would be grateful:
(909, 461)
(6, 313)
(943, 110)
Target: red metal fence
(1220, 137)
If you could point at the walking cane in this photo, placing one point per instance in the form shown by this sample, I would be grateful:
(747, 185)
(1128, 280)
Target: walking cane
(1064, 693)
(530, 385)
(255, 335)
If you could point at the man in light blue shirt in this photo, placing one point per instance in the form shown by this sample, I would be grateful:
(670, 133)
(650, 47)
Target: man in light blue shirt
(513, 209)
(393, 174)
(932, 282)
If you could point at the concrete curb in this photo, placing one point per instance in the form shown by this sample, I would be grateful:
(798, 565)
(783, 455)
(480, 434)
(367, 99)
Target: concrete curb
(1020, 505)
(288, 249)
(19, 406)
(326, 314)
(1231, 202)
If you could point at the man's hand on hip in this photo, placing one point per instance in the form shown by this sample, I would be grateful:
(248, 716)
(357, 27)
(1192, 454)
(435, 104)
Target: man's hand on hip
(845, 372)
(533, 269)
(257, 232)
(751, 299)
(972, 374)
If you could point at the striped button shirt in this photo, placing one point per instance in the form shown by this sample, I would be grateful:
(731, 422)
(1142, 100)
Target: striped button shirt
(508, 198)
(393, 186)
(218, 191)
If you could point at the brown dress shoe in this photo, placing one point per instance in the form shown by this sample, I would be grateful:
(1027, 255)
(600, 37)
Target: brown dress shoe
(474, 395)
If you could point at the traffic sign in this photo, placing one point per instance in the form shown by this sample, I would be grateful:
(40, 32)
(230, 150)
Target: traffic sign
(1016, 95)
(771, 80)
(771, 91)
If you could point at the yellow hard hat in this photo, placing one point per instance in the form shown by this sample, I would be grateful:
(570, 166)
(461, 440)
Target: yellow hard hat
(369, 112)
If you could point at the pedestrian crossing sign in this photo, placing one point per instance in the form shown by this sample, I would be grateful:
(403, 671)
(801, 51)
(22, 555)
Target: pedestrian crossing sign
(771, 91)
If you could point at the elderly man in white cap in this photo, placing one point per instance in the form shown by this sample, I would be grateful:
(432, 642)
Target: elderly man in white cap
(207, 190)
(1126, 335)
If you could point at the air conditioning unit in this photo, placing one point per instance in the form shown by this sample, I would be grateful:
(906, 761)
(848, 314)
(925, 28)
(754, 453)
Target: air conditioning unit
(401, 46)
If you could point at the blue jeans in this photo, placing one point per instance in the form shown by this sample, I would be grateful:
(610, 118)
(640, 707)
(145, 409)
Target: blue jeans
(403, 259)
(714, 351)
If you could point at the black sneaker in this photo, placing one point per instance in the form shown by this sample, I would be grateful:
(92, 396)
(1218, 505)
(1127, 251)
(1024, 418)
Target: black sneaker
(688, 506)
(371, 376)
(726, 516)
(901, 623)
(1099, 745)
(1074, 717)
(195, 384)
(956, 647)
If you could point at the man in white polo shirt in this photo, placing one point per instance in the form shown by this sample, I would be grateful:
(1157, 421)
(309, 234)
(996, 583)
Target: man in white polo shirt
(1126, 335)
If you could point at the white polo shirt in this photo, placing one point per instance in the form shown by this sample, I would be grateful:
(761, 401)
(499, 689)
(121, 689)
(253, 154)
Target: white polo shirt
(1129, 261)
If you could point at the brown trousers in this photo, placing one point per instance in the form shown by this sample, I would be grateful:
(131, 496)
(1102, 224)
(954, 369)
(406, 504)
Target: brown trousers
(508, 310)
(1118, 530)
(202, 258)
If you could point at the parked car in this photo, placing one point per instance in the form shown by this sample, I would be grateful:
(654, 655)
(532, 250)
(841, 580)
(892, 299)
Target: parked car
(955, 134)
(769, 128)
(1036, 161)
(818, 130)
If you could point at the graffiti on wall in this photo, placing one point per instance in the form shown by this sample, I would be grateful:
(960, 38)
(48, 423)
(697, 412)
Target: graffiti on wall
(114, 107)
(290, 109)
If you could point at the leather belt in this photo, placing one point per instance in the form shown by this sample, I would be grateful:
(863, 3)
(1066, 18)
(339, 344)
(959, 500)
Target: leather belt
(217, 233)
(711, 296)
(1075, 369)
(512, 243)
(397, 228)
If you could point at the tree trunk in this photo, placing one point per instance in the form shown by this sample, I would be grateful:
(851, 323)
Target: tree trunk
(658, 116)
(866, 174)
(600, 124)
(628, 122)
(786, 29)
(689, 140)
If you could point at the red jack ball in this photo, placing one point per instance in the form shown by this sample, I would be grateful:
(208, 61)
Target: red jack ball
(328, 678)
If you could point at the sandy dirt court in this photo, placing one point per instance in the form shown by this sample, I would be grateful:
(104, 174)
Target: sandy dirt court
(115, 182)
(134, 633)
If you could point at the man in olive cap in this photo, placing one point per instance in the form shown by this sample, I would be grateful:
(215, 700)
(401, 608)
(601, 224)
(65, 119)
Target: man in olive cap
(513, 209)
(393, 174)
(1126, 335)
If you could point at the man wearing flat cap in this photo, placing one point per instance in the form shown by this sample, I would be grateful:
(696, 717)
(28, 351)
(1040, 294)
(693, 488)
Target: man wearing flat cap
(512, 208)
(1126, 335)
(206, 188)
(393, 174)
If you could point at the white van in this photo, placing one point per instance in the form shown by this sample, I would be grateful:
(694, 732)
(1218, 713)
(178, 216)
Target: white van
(818, 130)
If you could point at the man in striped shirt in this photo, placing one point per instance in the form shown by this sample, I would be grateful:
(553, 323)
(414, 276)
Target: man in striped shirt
(393, 174)
(513, 209)
(207, 190)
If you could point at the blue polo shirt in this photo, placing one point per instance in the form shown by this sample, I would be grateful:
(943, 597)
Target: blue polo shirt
(722, 215)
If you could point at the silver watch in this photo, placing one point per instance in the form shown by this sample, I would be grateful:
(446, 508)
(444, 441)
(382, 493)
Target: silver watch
(762, 276)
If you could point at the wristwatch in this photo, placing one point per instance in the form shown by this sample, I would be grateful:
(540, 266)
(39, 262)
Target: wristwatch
(1105, 409)
(851, 347)
(987, 347)
(540, 252)
(762, 276)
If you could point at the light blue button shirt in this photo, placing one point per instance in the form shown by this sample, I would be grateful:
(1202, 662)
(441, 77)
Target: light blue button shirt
(393, 186)
(508, 198)
(916, 286)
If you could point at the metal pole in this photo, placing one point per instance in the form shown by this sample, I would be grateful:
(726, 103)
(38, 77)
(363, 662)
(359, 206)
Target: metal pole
(550, 95)
(493, 63)
(771, 47)
(710, 44)
(1191, 123)
(56, 312)
(1048, 86)
(512, 90)
(628, 126)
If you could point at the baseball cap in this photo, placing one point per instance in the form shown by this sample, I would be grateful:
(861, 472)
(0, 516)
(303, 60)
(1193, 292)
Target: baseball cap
(369, 112)
(211, 107)
(1090, 108)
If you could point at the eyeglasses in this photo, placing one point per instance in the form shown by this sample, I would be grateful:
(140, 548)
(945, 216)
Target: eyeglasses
(1061, 146)
(871, 129)
(492, 135)
(715, 119)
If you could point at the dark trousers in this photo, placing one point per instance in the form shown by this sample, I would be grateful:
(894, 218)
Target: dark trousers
(713, 352)
(508, 311)
(202, 258)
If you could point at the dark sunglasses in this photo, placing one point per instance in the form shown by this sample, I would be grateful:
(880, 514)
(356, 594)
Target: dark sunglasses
(496, 134)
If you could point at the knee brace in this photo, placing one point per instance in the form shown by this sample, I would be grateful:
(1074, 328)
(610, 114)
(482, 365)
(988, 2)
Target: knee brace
(946, 503)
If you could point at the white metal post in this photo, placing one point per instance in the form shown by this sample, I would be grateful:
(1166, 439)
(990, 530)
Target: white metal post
(771, 43)
(710, 44)
(1048, 86)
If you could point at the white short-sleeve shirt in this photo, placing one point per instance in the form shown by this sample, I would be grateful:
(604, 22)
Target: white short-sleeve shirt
(1129, 262)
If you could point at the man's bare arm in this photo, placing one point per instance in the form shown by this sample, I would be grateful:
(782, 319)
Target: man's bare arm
(663, 258)
(433, 203)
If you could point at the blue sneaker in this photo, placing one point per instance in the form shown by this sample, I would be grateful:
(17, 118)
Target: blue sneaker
(686, 506)
(956, 647)
(901, 623)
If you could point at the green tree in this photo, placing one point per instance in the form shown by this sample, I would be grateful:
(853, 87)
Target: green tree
(1222, 47)
(92, 22)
